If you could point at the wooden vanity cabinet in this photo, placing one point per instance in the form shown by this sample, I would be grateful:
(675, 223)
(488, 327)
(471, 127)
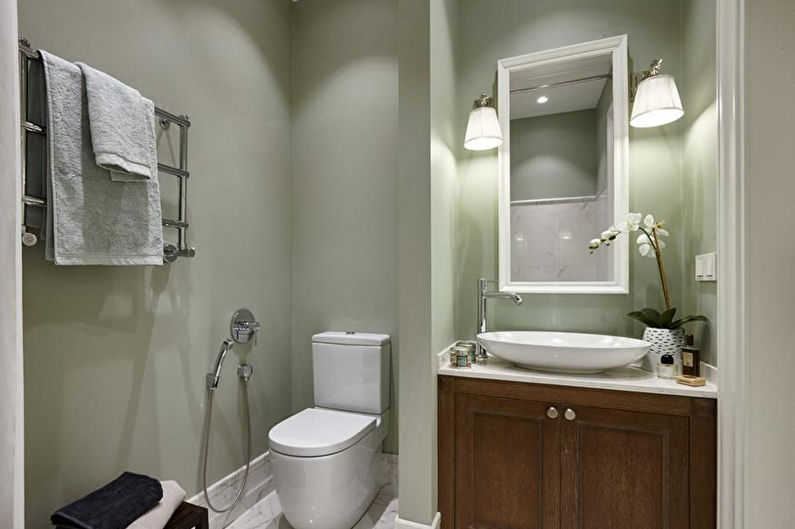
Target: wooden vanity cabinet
(525, 456)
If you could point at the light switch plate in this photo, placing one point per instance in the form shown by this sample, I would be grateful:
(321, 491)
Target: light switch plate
(707, 267)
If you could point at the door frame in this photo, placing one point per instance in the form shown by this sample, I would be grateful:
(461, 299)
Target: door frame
(733, 329)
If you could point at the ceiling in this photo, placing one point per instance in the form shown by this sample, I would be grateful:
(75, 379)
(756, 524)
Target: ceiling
(568, 98)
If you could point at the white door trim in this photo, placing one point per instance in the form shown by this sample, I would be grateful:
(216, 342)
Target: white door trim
(732, 317)
(11, 380)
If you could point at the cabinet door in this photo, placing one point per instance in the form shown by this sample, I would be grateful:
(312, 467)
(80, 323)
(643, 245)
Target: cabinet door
(624, 470)
(507, 464)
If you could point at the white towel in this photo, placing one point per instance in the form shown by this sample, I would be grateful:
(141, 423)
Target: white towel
(158, 517)
(91, 219)
(122, 124)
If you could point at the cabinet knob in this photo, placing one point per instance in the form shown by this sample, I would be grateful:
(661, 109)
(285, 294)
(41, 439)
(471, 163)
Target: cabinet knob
(552, 412)
(569, 414)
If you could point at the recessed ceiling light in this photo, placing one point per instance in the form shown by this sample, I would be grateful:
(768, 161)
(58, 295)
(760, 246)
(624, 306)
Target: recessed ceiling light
(541, 100)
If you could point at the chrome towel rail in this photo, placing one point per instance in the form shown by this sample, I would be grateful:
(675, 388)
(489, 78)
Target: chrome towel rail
(29, 238)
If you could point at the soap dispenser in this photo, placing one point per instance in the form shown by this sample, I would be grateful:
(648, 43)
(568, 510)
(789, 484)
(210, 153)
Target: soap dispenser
(666, 368)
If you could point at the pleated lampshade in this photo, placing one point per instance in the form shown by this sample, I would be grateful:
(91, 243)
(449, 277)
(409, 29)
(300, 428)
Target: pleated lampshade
(657, 102)
(483, 129)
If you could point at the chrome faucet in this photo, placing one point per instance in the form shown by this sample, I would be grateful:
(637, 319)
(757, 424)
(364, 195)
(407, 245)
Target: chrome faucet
(483, 294)
(243, 328)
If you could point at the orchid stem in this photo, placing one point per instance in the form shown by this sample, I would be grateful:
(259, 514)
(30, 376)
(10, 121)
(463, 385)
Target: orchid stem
(660, 266)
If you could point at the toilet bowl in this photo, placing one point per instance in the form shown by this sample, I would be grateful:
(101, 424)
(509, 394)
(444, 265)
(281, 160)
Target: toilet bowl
(325, 459)
(325, 466)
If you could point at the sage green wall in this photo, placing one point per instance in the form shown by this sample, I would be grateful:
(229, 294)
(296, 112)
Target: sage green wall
(444, 179)
(345, 186)
(417, 482)
(656, 181)
(700, 163)
(554, 156)
(115, 357)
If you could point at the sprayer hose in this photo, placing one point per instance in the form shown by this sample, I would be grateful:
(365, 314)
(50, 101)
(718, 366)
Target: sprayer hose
(206, 443)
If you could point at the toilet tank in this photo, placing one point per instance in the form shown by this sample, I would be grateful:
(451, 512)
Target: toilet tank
(351, 371)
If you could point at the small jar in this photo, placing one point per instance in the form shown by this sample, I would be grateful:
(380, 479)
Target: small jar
(469, 345)
(666, 369)
(462, 358)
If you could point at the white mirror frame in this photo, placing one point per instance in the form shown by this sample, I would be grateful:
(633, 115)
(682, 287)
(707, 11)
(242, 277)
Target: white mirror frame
(617, 47)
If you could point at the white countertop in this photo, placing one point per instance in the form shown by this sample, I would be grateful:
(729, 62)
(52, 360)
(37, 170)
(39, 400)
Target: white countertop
(622, 379)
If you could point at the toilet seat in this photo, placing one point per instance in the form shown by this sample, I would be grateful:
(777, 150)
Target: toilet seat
(318, 432)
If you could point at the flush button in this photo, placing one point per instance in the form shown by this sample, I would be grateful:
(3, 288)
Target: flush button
(350, 332)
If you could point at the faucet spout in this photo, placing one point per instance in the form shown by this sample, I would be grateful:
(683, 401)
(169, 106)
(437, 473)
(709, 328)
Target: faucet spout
(483, 294)
(513, 296)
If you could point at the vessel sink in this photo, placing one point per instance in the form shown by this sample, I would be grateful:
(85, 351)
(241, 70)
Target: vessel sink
(563, 352)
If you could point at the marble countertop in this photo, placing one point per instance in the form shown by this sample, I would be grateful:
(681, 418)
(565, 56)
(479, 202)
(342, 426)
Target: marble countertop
(621, 379)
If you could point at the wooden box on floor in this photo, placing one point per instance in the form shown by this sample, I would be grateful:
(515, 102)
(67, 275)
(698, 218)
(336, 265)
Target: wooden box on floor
(188, 516)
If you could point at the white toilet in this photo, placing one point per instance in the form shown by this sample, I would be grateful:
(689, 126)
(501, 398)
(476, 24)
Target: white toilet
(324, 458)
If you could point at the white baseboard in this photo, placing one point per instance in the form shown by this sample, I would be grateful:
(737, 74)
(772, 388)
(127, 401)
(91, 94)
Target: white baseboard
(400, 523)
(259, 485)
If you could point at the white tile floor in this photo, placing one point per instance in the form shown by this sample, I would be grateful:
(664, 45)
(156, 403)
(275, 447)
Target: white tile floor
(267, 514)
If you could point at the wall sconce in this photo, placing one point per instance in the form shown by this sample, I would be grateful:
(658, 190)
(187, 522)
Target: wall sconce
(483, 128)
(656, 98)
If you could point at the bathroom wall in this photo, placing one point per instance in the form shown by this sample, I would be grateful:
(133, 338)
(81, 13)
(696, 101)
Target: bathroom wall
(345, 188)
(656, 181)
(11, 358)
(417, 470)
(699, 164)
(554, 156)
(445, 138)
(115, 358)
(769, 188)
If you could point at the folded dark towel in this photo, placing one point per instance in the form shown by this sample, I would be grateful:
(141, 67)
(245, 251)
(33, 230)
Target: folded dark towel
(114, 506)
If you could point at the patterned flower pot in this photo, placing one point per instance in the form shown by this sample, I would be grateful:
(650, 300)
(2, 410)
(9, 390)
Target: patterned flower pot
(663, 341)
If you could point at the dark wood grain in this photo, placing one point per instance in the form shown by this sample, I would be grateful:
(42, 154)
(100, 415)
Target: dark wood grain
(628, 460)
(597, 398)
(703, 464)
(446, 450)
(624, 470)
(507, 464)
(188, 516)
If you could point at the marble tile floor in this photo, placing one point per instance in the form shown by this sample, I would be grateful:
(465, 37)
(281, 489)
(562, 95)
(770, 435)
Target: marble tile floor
(267, 514)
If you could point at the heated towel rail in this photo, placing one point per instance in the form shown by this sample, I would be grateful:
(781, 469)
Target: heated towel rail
(170, 251)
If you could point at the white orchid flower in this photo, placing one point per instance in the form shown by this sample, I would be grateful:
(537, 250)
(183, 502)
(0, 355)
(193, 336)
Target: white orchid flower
(662, 232)
(645, 250)
(633, 221)
(648, 221)
(607, 234)
(594, 244)
(646, 245)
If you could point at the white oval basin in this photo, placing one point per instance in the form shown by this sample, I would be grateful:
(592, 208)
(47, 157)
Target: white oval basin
(563, 352)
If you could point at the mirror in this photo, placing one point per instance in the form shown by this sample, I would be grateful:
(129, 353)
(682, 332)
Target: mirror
(563, 168)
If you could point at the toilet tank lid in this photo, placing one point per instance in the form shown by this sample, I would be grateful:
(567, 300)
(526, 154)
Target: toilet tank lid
(350, 338)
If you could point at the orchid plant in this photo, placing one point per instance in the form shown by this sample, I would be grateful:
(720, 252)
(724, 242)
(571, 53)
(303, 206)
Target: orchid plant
(650, 244)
